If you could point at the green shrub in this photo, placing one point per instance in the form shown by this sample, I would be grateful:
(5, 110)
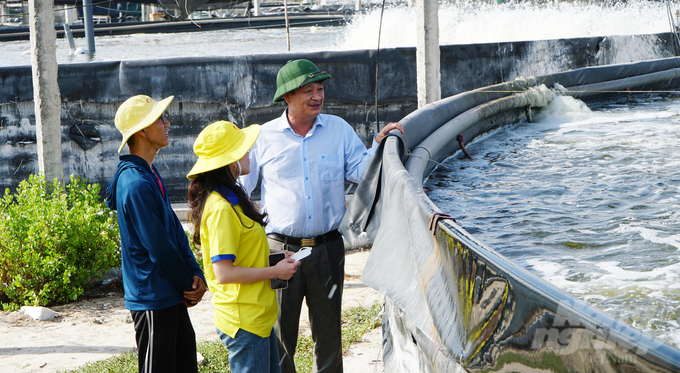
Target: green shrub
(52, 242)
(196, 250)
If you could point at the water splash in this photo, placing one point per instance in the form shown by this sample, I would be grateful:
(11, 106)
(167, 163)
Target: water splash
(471, 22)
(564, 109)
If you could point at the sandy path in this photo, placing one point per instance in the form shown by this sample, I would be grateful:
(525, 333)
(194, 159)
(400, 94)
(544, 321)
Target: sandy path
(96, 329)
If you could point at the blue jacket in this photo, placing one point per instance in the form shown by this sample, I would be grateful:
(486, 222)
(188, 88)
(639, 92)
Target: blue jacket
(158, 265)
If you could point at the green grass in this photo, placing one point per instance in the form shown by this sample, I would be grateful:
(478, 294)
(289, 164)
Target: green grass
(123, 363)
(355, 323)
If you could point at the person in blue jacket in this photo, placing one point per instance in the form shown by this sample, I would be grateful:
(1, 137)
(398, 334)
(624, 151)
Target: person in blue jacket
(161, 277)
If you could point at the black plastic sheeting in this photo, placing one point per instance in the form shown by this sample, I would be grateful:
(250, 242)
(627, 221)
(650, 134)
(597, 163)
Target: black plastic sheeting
(456, 305)
(238, 89)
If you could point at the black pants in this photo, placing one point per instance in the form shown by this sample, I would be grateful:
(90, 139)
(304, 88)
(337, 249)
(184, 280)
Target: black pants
(319, 279)
(166, 340)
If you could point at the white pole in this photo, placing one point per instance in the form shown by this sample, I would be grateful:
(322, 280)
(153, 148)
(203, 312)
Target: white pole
(147, 10)
(25, 12)
(357, 5)
(285, 15)
(4, 13)
(154, 10)
(427, 52)
(256, 10)
(46, 96)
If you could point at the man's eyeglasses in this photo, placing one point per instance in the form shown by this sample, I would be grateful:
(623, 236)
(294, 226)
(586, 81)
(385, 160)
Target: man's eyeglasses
(164, 117)
(310, 76)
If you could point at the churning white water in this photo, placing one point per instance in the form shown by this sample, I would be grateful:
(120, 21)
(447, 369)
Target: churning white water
(474, 22)
(462, 22)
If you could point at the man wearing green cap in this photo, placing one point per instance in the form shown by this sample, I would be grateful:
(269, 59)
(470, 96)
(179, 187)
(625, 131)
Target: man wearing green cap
(160, 275)
(304, 158)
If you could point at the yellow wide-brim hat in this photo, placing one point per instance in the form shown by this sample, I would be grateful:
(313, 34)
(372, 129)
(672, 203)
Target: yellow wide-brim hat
(137, 113)
(220, 144)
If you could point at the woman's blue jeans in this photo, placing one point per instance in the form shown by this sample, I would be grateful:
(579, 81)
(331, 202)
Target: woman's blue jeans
(250, 353)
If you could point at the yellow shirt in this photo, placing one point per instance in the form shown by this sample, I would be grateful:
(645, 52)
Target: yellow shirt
(226, 233)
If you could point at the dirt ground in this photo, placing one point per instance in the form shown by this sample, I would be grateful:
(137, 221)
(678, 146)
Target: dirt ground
(98, 328)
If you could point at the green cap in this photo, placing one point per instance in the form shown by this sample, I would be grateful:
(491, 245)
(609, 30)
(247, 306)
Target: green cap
(295, 74)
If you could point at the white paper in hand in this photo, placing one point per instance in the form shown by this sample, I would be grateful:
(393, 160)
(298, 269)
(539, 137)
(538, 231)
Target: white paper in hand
(303, 253)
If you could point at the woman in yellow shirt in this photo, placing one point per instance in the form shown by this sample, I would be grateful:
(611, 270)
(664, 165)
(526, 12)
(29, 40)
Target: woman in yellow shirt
(230, 231)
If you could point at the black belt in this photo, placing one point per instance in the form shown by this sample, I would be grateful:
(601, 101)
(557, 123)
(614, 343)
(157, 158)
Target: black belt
(305, 242)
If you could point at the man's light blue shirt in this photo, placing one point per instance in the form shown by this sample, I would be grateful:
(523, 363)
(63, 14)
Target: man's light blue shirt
(303, 178)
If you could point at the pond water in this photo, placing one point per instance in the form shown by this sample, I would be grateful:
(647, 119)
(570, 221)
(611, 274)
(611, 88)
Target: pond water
(588, 200)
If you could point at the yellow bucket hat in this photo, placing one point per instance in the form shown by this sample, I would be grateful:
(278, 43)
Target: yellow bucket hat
(137, 113)
(222, 143)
